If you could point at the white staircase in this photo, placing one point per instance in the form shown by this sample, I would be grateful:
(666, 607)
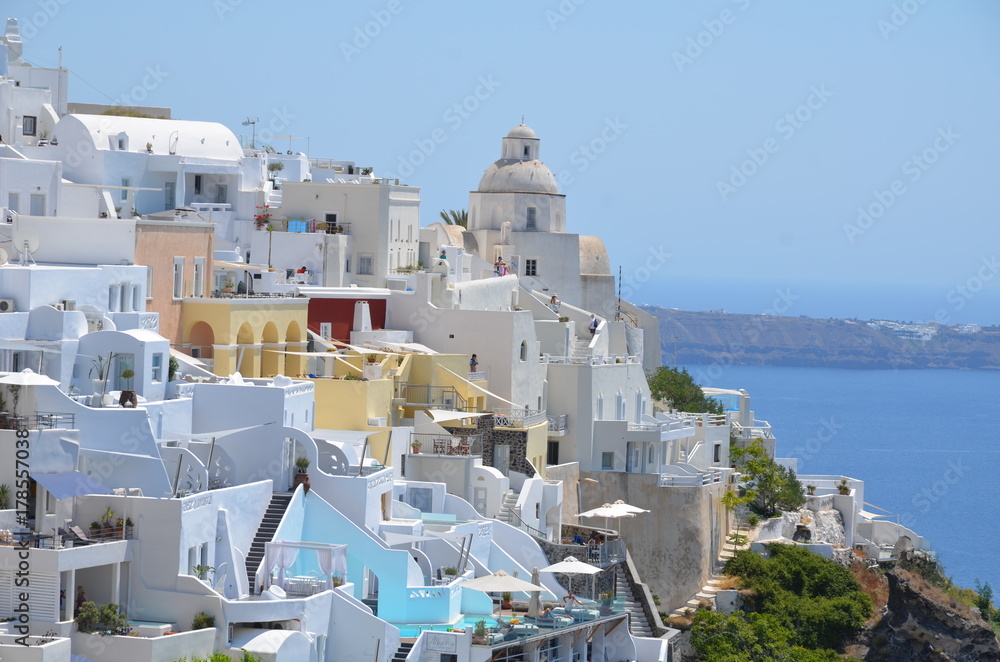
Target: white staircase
(580, 349)
(638, 625)
(507, 507)
(708, 591)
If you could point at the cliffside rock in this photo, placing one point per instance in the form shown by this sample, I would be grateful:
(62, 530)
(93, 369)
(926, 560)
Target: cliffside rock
(823, 525)
(921, 624)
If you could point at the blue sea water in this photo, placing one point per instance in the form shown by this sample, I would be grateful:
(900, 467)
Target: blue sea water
(926, 443)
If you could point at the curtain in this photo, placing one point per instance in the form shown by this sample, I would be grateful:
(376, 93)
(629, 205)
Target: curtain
(325, 558)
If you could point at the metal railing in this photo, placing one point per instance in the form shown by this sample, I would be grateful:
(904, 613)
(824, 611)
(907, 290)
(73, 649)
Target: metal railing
(518, 418)
(444, 444)
(519, 523)
(559, 423)
(694, 480)
(48, 420)
(429, 395)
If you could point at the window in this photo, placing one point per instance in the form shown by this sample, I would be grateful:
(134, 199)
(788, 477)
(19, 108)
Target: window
(126, 182)
(607, 461)
(157, 372)
(149, 283)
(524, 352)
(37, 204)
(526, 152)
(347, 265)
(620, 407)
(552, 454)
(718, 453)
(169, 195)
(197, 184)
(221, 191)
(600, 408)
(531, 267)
(365, 264)
(30, 125)
(331, 222)
(125, 300)
(113, 298)
(199, 277)
(178, 277)
(14, 202)
(531, 221)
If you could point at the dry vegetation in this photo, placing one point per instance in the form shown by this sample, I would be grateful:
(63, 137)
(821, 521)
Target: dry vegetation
(874, 584)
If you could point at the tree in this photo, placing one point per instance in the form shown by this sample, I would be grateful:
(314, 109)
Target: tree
(984, 600)
(678, 387)
(452, 217)
(775, 487)
(743, 637)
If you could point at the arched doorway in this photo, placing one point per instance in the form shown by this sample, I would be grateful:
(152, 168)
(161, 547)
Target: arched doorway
(294, 365)
(202, 341)
(271, 362)
(246, 352)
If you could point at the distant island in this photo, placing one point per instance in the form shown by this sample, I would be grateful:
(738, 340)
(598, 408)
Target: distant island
(689, 337)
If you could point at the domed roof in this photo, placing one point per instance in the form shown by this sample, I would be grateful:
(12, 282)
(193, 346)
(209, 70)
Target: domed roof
(522, 131)
(514, 176)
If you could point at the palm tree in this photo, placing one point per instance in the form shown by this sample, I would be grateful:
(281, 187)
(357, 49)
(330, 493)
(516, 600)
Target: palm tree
(452, 217)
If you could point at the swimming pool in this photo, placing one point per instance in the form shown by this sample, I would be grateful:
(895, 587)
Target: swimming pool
(413, 630)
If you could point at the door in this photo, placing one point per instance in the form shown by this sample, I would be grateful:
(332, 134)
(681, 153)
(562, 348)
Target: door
(501, 458)
(326, 330)
(169, 195)
(479, 501)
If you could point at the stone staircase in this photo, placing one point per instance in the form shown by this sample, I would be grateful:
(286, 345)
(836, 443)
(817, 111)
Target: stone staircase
(403, 651)
(507, 508)
(638, 625)
(708, 591)
(580, 349)
(265, 534)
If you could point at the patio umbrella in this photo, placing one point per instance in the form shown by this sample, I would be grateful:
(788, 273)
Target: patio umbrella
(571, 566)
(607, 511)
(500, 581)
(27, 377)
(621, 505)
(535, 603)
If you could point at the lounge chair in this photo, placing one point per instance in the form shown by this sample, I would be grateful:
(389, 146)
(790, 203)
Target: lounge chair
(80, 536)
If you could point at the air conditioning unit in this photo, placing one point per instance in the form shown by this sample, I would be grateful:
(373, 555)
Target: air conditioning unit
(7, 306)
(69, 304)
(379, 422)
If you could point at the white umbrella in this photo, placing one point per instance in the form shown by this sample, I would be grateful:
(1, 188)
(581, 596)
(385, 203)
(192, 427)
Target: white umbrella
(501, 581)
(607, 511)
(27, 377)
(535, 603)
(571, 566)
(621, 505)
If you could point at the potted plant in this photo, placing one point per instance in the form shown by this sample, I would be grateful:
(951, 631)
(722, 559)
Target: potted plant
(506, 600)
(4, 496)
(172, 367)
(202, 621)
(301, 475)
(108, 519)
(811, 490)
(128, 527)
(415, 446)
(227, 286)
(128, 395)
(451, 571)
(479, 632)
(100, 365)
(372, 358)
(201, 571)
(844, 487)
(119, 527)
(607, 597)
(95, 529)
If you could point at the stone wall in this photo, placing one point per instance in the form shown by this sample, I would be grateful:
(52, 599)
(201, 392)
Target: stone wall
(493, 436)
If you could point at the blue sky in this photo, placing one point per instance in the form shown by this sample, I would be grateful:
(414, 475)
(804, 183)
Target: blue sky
(724, 150)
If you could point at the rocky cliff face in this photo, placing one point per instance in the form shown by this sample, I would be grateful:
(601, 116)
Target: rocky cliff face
(735, 339)
(923, 625)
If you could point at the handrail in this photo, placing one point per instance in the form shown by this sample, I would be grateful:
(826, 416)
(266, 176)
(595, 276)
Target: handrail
(527, 528)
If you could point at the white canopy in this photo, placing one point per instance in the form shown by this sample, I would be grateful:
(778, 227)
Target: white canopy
(501, 581)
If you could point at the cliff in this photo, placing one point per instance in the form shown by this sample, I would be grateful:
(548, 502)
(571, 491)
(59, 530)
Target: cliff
(770, 340)
(922, 624)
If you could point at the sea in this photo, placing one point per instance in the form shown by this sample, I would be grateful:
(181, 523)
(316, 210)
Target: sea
(925, 442)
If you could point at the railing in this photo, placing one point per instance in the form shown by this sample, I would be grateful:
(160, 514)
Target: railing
(477, 376)
(431, 396)
(218, 294)
(626, 316)
(48, 420)
(527, 528)
(443, 444)
(592, 360)
(559, 423)
(698, 480)
(643, 427)
(763, 431)
(518, 418)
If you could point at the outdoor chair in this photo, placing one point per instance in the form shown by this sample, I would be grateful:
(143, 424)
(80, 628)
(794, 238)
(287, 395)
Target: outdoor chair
(80, 536)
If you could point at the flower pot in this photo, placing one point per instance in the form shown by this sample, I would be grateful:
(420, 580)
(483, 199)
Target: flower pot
(128, 398)
(506, 604)
(301, 479)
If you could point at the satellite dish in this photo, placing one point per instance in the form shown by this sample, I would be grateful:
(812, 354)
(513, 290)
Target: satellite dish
(26, 241)
(4, 258)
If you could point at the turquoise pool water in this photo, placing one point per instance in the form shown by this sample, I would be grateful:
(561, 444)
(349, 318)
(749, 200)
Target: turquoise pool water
(466, 621)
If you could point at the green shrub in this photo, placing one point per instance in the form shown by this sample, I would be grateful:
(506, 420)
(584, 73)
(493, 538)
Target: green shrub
(202, 621)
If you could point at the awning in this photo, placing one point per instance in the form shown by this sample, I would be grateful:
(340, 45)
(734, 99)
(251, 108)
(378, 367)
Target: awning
(440, 415)
(239, 265)
(70, 484)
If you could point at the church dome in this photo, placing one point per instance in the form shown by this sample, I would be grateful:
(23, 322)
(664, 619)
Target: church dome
(522, 131)
(514, 176)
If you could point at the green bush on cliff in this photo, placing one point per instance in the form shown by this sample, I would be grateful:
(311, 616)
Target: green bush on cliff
(817, 600)
(742, 637)
(678, 387)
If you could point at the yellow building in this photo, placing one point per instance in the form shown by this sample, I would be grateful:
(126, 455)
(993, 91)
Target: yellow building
(247, 335)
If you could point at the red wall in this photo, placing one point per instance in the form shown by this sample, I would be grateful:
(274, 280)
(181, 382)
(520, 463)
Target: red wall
(340, 314)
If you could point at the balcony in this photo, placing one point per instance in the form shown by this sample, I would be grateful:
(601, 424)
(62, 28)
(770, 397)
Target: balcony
(443, 444)
(559, 423)
(518, 418)
(40, 420)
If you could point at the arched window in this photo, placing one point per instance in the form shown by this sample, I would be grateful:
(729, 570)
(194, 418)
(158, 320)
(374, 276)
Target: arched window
(524, 350)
